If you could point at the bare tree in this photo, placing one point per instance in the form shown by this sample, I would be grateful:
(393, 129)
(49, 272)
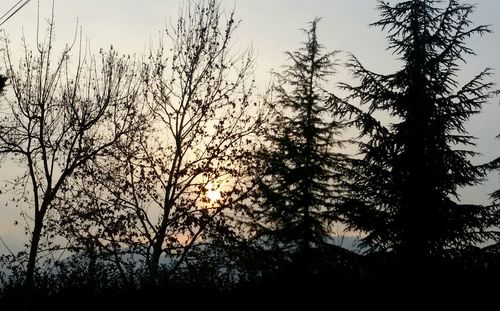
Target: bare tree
(202, 103)
(151, 198)
(64, 113)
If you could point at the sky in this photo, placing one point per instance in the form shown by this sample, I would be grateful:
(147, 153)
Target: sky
(270, 27)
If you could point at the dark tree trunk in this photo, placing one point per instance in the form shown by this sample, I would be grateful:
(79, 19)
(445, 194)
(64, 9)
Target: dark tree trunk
(29, 283)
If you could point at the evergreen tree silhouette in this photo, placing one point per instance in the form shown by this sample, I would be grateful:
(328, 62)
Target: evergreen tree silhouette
(299, 170)
(404, 184)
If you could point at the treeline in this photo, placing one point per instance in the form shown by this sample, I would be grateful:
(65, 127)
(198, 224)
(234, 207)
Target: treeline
(169, 176)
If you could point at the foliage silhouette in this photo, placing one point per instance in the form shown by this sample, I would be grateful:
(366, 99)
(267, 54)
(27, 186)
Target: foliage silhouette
(56, 122)
(298, 175)
(403, 189)
(3, 81)
(148, 198)
(119, 158)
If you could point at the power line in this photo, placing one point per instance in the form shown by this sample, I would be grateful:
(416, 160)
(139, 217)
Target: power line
(12, 8)
(13, 13)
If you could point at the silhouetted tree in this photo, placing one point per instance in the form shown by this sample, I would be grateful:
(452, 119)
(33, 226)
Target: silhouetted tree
(150, 198)
(298, 175)
(63, 113)
(404, 184)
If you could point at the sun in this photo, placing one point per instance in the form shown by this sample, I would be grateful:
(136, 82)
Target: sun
(213, 194)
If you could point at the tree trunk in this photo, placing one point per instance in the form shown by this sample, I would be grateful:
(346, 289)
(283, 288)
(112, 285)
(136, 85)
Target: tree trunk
(155, 257)
(154, 264)
(29, 283)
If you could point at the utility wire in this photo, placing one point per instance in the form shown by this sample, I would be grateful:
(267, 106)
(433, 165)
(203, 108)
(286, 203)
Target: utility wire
(13, 13)
(12, 8)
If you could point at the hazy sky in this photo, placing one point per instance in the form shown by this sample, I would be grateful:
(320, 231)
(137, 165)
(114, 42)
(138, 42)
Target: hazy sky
(270, 27)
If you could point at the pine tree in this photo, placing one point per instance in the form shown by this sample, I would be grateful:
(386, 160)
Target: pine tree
(298, 166)
(404, 184)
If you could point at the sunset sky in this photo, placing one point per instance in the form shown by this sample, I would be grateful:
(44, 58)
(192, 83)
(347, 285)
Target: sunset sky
(270, 27)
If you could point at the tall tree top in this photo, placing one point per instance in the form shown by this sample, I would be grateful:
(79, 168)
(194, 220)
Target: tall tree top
(439, 31)
(412, 168)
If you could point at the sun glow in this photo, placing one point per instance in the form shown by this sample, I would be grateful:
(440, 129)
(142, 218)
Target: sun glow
(213, 194)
